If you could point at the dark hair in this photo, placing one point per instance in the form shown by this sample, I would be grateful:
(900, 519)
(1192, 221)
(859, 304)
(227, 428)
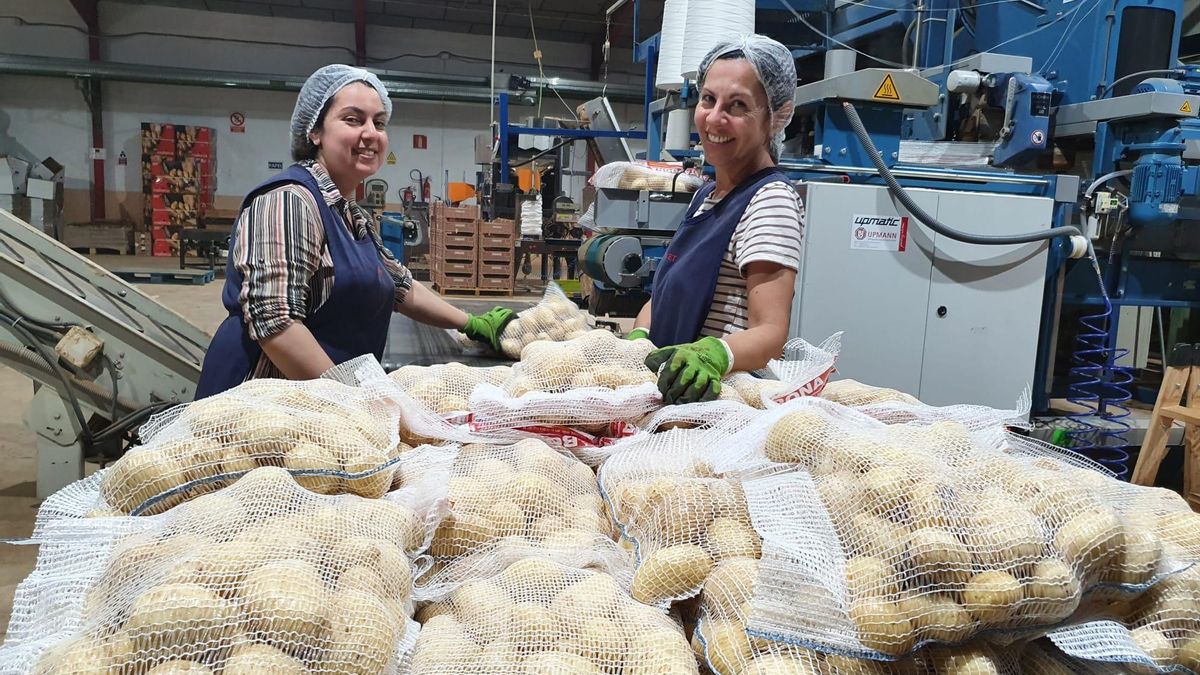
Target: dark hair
(303, 148)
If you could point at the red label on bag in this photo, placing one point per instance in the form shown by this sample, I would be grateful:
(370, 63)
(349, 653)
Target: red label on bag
(813, 387)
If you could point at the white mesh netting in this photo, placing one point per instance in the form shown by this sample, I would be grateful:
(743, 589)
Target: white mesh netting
(895, 536)
(642, 175)
(446, 388)
(596, 384)
(724, 645)
(803, 370)
(537, 616)
(263, 576)
(555, 318)
(333, 436)
(678, 513)
(515, 501)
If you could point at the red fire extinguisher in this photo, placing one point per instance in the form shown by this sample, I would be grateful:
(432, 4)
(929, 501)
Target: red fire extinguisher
(408, 195)
(426, 190)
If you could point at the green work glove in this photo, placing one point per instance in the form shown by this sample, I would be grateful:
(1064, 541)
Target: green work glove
(690, 372)
(486, 328)
(638, 334)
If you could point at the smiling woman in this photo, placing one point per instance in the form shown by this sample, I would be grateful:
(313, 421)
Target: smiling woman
(309, 284)
(722, 297)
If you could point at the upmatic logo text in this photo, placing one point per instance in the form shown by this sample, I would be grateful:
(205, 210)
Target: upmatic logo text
(880, 233)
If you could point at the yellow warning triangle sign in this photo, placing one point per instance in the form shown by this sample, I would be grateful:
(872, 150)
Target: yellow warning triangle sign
(1186, 107)
(887, 89)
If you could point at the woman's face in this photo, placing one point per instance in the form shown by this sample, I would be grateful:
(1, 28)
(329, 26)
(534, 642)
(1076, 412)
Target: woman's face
(353, 138)
(732, 117)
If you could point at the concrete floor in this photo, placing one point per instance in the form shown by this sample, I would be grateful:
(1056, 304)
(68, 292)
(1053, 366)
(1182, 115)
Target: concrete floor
(18, 505)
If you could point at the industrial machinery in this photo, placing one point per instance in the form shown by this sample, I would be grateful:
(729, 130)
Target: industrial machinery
(947, 151)
(103, 355)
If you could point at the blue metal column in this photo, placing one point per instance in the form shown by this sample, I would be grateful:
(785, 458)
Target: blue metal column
(503, 116)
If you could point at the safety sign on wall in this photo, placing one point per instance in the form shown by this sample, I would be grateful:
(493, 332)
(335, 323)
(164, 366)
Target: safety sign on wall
(237, 123)
(879, 233)
(391, 158)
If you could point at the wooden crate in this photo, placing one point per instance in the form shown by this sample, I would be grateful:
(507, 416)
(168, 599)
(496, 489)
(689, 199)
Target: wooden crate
(457, 268)
(501, 227)
(496, 284)
(95, 238)
(496, 255)
(443, 210)
(496, 269)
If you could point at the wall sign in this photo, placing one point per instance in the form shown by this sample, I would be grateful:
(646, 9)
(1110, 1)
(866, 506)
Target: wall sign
(237, 123)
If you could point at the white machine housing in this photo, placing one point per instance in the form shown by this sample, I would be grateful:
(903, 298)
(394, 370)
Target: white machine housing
(944, 321)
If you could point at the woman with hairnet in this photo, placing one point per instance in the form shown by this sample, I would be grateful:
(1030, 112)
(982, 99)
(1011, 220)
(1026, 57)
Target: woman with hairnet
(309, 284)
(723, 293)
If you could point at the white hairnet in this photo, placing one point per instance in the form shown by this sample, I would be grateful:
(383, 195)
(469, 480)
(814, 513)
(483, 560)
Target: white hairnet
(318, 90)
(776, 70)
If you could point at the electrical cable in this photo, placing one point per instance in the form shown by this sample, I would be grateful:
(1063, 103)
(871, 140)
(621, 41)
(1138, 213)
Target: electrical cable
(836, 41)
(1026, 34)
(51, 360)
(1068, 32)
(537, 55)
(897, 191)
(1140, 73)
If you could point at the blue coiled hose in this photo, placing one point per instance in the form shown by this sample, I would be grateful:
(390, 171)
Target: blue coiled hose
(1099, 386)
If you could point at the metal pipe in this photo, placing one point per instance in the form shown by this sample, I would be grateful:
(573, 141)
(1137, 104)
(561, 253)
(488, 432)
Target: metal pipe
(129, 72)
(917, 173)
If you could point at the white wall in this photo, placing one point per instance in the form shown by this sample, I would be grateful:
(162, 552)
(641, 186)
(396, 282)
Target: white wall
(47, 116)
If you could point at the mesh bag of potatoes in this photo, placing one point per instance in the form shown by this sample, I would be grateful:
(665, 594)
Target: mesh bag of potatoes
(446, 388)
(1042, 657)
(555, 318)
(894, 536)
(511, 501)
(537, 616)
(263, 576)
(590, 383)
(336, 437)
(676, 512)
(803, 370)
(642, 175)
(724, 644)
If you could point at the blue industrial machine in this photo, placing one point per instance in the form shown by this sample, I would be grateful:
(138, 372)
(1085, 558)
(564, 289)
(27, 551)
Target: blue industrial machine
(947, 151)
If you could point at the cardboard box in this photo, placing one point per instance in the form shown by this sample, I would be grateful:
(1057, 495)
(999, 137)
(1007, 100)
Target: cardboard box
(45, 180)
(14, 173)
(162, 248)
(46, 215)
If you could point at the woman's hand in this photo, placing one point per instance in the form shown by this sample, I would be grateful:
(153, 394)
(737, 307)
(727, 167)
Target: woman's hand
(486, 328)
(690, 372)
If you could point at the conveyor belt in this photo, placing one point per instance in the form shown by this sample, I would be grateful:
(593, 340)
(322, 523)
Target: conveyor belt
(412, 343)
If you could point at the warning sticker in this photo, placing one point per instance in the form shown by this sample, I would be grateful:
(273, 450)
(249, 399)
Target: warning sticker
(879, 233)
(1186, 107)
(887, 89)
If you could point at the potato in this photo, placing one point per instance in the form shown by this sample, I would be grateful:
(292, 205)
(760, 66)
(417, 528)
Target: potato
(560, 663)
(780, 664)
(670, 573)
(1153, 644)
(84, 656)
(595, 595)
(1189, 653)
(361, 636)
(656, 647)
(726, 646)
(939, 557)
(868, 577)
(887, 488)
(801, 438)
(990, 597)
(180, 667)
(266, 434)
(381, 558)
(1052, 591)
(483, 608)
(728, 538)
(936, 616)
(869, 534)
(139, 476)
(460, 534)
(536, 578)
(168, 619)
(285, 602)
(311, 457)
(216, 417)
(370, 480)
(508, 519)
(537, 495)
(730, 585)
(882, 626)
(256, 658)
(963, 661)
(534, 627)
(397, 523)
(600, 639)
(1005, 535)
(1136, 561)
(1089, 540)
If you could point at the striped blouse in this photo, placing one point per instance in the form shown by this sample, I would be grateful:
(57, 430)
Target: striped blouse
(289, 273)
(771, 230)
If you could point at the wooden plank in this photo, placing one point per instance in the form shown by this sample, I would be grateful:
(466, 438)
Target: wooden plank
(1154, 444)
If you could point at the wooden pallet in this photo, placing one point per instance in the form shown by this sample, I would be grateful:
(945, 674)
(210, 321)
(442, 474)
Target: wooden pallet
(149, 276)
(493, 292)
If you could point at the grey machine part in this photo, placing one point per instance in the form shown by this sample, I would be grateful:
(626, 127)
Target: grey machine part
(946, 321)
(642, 211)
(601, 117)
(150, 355)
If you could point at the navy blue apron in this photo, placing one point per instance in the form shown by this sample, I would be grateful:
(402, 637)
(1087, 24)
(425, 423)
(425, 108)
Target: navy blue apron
(353, 321)
(685, 282)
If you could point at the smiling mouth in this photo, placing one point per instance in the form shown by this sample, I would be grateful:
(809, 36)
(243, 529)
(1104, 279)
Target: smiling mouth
(365, 154)
(716, 140)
